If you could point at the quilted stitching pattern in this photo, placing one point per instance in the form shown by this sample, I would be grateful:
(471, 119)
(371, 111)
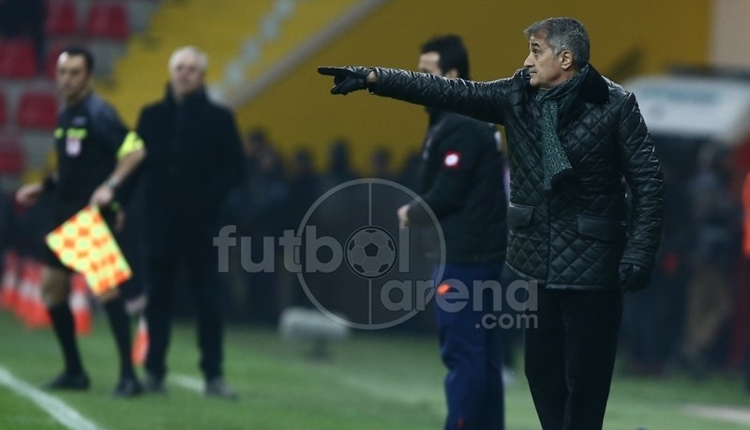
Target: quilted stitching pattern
(607, 144)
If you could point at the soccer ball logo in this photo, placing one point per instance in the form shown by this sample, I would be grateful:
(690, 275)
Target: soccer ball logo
(370, 252)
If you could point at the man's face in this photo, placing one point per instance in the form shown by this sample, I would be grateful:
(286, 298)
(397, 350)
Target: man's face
(185, 75)
(428, 63)
(545, 70)
(73, 80)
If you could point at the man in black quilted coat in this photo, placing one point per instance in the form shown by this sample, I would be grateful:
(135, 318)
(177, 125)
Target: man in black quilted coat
(575, 141)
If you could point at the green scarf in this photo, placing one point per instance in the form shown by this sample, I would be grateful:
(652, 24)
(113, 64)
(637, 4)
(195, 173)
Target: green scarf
(557, 99)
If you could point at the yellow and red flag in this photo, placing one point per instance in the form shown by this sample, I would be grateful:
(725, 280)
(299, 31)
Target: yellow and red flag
(85, 244)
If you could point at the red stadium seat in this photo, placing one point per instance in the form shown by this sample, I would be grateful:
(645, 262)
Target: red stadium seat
(38, 110)
(3, 109)
(107, 20)
(17, 58)
(12, 159)
(62, 18)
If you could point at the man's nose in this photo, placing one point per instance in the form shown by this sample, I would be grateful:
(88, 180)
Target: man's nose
(528, 61)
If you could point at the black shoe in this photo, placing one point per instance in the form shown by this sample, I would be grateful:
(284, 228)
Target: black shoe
(217, 387)
(154, 384)
(69, 381)
(128, 387)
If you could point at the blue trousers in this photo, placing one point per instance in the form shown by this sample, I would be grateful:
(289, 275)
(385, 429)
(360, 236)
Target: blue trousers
(471, 352)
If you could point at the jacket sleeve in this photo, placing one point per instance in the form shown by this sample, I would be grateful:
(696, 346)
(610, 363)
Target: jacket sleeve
(485, 101)
(122, 141)
(458, 152)
(643, 173)
(229, 156)
(106, 123)
(127, 189)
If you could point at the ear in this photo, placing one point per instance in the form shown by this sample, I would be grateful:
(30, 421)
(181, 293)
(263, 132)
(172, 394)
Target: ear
(566, 60)
(452, 73)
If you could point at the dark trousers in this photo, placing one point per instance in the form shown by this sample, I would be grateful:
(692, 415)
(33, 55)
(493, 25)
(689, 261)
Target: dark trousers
(570, 355)
(202, 282)
(471, 352)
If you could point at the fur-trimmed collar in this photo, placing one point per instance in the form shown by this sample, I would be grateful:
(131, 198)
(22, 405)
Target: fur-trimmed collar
(594, 88)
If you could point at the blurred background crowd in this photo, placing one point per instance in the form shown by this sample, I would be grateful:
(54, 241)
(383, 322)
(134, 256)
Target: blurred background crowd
(695, 316)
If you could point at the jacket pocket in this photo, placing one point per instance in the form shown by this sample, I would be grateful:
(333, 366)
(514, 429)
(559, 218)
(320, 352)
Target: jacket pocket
(519, 216)
(607, 230)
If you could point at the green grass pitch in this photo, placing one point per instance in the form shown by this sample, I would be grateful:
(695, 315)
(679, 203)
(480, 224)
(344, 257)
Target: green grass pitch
(373, 381)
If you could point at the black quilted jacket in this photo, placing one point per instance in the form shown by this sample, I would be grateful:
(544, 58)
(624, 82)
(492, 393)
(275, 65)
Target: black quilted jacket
(574, 236)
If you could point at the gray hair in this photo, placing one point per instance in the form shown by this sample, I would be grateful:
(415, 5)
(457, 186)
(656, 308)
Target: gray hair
(192, 51)
(564, 34)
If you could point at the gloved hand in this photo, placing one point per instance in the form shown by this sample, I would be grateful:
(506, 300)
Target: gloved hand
(346, 79)
(633, 277)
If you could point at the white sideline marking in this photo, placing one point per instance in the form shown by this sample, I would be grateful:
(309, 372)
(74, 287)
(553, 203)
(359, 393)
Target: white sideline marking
(188, 382)
(726, 414)
(58, 409)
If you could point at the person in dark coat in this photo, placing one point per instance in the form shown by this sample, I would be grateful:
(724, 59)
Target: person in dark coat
(575, 140)
(462, 183)
(196, 160)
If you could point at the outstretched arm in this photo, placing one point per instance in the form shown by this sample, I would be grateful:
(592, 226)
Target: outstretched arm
(486, 101)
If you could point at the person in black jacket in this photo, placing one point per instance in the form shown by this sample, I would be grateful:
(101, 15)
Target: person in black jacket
(575, 140)
(462, 183)
(196, 160)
